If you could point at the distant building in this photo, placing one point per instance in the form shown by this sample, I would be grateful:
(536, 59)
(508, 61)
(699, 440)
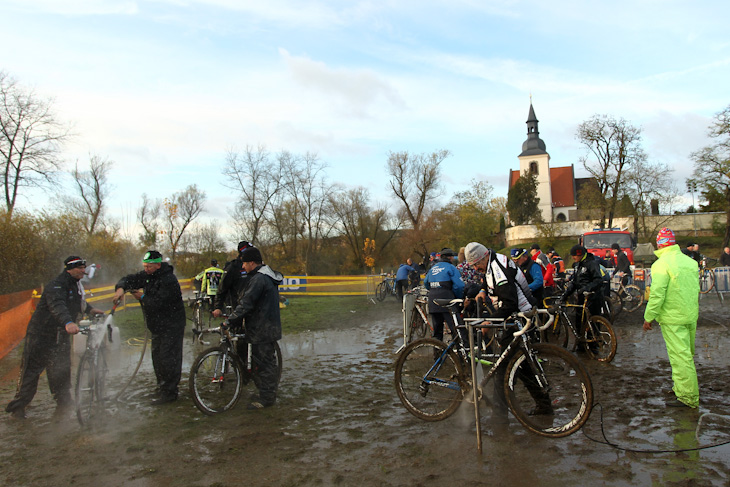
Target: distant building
(557, 187)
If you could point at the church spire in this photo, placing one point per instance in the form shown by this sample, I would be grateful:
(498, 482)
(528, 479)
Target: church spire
(534, 144)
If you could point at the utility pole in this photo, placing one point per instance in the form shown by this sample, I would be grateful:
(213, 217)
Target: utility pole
(692, 188)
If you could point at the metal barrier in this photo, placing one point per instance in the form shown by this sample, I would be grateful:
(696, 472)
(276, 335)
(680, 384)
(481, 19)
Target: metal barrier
(722, 279)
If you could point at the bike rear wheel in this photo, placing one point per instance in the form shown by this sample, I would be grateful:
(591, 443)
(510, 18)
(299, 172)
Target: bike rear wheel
(707, 280)
(216, 380)
(599, 339)
(552, 395)
(429, 382)
(380, 291)
(616, 302)
(418, 327)
(632, 298)
(90, 384)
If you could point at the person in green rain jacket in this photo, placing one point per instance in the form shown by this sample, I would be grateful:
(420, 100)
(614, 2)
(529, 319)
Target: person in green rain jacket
(674, 304)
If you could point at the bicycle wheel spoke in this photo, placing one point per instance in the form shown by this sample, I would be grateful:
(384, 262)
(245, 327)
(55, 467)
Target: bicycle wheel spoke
(215, 381)
(556, 401)
(429, 390)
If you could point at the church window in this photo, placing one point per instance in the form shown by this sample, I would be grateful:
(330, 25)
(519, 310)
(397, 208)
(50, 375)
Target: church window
(533, 167)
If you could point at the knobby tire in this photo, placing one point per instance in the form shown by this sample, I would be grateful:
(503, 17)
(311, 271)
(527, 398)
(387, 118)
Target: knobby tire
(430, 395)
(216, 380)
(599, 339)
(568, 390)
(632, 298)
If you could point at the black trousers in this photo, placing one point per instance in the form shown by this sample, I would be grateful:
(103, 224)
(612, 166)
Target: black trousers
(167, 351)
(265, 370)
(400, 287)
(52, 354)
(438, 320)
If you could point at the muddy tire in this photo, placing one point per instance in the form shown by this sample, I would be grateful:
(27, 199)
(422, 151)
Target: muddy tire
(429, 389)
(90, 385)
(565, 398)
(380, 291)
(599, 339)
(216, 380)
(615, 299)
(558, 333)
(632, 298)
(418, 327)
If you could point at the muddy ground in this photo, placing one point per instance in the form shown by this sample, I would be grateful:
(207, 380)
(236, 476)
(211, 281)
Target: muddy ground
(339, 422)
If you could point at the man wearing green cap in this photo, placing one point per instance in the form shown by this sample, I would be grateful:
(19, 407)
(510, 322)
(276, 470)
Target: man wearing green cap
(159, 294)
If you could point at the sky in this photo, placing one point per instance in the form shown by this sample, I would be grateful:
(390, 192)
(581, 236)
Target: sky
(166, 87)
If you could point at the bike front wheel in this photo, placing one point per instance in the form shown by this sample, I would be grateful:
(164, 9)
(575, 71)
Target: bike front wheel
(429, 379)
(418, 327)
(558, 333)
(616, 303)
(549, 392)
(89, 392)
(632, 298)
(216, 380)
(599, 339)
(380, 291)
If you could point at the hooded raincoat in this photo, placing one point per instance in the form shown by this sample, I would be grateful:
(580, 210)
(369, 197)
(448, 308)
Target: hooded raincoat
(674, 304)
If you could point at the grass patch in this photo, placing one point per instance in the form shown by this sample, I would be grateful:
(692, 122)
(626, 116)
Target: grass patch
(303, 313)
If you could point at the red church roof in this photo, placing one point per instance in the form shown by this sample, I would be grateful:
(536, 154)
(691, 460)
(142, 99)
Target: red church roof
(561, 184)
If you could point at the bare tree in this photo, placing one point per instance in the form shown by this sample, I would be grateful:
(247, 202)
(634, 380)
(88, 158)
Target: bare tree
(205, 239)
(414, 180)
(92, 188)
(30, 140)
(358, 222)
(256, 179)
(712, 164)
(179, 212)
(646, 182)
(148, 215)
(613, 146)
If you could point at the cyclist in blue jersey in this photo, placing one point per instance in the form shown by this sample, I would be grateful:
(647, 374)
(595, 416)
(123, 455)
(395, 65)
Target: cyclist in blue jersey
(443, 282)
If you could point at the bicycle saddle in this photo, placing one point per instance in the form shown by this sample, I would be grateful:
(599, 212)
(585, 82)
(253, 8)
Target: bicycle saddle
(447, 303)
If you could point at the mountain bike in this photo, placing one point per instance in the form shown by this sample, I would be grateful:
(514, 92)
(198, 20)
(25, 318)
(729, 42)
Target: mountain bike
(627, 297)
(598, 338)
(200, 304)
(92, 370)
(219, 375)
(385, 288)
(707, 277)
(431, 377)
(419, 324)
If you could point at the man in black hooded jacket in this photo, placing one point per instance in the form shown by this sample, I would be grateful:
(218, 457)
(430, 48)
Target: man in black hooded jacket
(159, 294)
(259, 307)
(587, 277)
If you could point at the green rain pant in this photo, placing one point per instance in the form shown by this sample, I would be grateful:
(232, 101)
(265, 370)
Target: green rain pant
(680, 341)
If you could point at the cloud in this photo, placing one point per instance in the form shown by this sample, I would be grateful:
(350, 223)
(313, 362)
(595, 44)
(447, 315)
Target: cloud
(357, 92)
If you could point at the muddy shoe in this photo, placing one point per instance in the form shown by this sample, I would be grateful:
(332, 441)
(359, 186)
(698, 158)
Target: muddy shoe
(163, 399)
(259, 405)
(18, 414)
(675, 403)
(541, 411)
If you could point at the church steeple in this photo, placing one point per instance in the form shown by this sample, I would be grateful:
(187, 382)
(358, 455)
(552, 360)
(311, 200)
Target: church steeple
(534, 144)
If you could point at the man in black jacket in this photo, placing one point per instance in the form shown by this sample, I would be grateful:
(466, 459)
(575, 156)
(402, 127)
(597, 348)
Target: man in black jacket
(159, 294)
(623, 266)
(47, 341)
(587, 277)
(232, 283)
(259, 307)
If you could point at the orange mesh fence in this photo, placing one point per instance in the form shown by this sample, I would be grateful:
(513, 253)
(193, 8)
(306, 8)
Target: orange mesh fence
(13, 324)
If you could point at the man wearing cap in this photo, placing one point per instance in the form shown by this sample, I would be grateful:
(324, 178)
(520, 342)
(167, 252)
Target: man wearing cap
(674, 304)
(587, 277)
(443, 281)
(232, 283)
(258, 309)
(159, 294)
(47, 341)
(538, 256)
(507, 287)
(532, 272)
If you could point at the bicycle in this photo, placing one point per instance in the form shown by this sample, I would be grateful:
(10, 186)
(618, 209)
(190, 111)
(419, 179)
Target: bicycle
(598, 340)
(707, 277)
(198, 303)
(385, 288)
(92, 370)
(431, 380)
(419, 323)
(219, 374)
(627, 297)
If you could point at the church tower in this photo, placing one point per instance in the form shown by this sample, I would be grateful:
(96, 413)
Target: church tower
(534, 159)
